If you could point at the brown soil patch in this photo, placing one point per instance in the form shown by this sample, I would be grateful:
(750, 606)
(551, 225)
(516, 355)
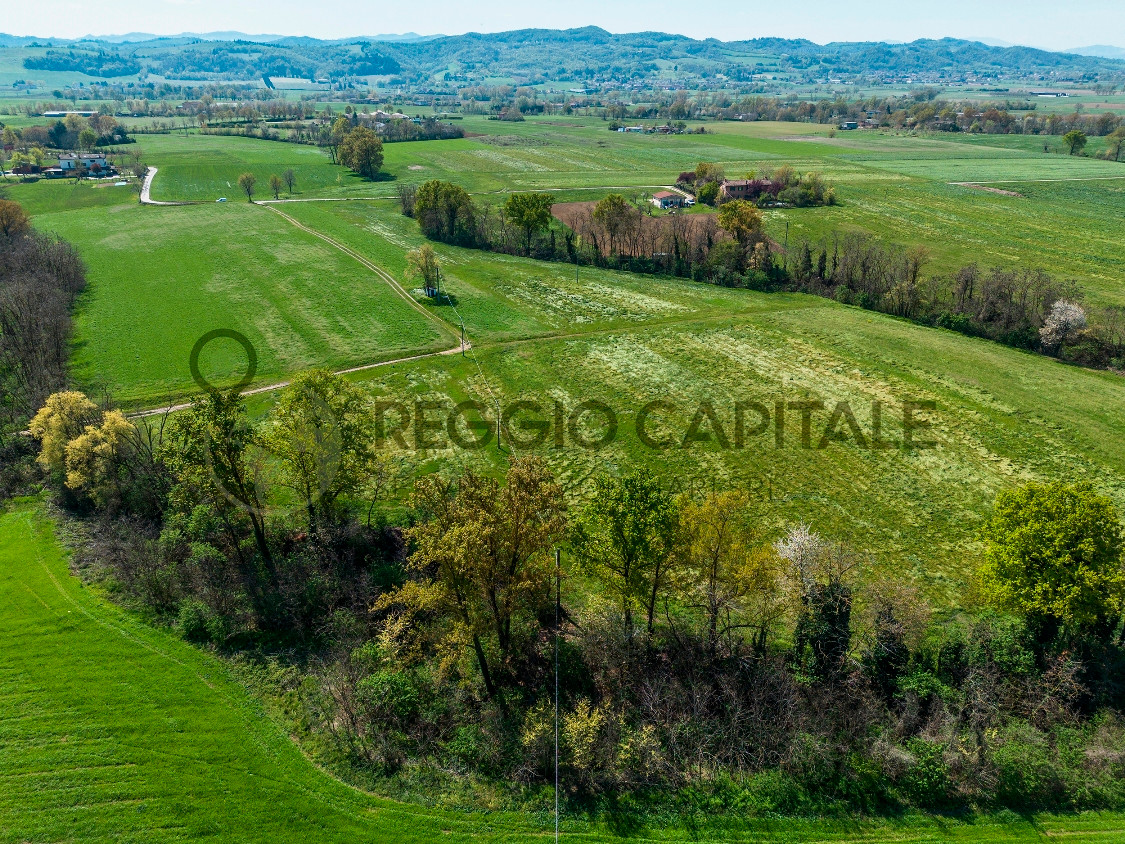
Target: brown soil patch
(990, 189)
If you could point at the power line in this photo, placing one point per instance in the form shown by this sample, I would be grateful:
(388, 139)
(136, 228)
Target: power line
(480, 370)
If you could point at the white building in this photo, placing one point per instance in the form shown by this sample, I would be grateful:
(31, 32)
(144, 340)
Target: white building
(87, 160)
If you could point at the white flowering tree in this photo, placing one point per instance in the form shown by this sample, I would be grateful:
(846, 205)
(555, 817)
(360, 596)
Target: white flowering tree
(1063, 325)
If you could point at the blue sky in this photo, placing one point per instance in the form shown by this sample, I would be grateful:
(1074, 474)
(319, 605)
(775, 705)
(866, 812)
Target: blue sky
(1055, 24)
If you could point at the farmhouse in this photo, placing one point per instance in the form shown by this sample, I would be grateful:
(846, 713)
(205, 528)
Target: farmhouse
(734, 188)
(666, 199)
(84, 160)
(67, 113)
(849, 124)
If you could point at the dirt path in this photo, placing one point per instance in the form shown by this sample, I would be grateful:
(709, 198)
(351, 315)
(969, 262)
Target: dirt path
(382, 274)
(146, 189)
(446, 327)
(281, 385)
(379, 271)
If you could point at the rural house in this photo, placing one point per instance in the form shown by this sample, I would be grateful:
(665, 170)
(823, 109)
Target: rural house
(735, 188)
(666, 199)
(94, 161)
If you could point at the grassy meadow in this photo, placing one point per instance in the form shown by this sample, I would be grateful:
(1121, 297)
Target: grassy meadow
(1067, 218)
(160, 277)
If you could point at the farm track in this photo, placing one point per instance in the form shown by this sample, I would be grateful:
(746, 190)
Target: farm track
(375, 268)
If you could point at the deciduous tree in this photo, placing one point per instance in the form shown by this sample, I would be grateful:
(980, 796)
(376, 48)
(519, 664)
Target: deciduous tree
(63, 417)
(362, 151)
(1075, 141)
(626, 538)
(422, 263)
(740, 219)
(530, 212)
(611, 214)
(482, 566)
(1054, 556)
(323, 436)
(733, 585)
(247, 181)
(13, 219)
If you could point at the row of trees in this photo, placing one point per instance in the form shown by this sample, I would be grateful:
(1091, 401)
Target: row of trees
(40, 277)
(1026, 308)
(614, 232)
(240, 530)
(325, 129)
(73, 132)
(248, 183)
(701, 650)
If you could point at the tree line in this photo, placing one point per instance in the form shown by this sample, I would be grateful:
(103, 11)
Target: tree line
(730, 247)
(40, 277)
(1022, 307)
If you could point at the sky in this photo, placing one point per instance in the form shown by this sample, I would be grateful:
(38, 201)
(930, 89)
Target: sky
(1053, 24)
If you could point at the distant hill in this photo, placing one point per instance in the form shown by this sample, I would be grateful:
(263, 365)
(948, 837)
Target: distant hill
(1105, 51)
(133, 37)
(233, 35)
(537, 55)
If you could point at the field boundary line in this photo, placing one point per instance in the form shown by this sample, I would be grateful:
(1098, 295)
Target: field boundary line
(281, 385)
(470, 349)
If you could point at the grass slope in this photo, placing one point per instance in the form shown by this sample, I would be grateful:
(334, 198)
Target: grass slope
(162, 277)
(112, 730)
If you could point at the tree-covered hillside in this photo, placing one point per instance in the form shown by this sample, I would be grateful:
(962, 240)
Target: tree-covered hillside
(588, 53)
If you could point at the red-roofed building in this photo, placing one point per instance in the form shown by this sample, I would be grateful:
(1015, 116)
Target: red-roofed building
(666, 199)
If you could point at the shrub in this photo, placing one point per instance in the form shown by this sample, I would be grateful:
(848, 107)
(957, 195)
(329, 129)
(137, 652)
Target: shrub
(927, 781)
(194, 621)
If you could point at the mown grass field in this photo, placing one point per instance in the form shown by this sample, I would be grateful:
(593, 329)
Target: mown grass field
(114, 730)
(1002, 416)
(160, 278)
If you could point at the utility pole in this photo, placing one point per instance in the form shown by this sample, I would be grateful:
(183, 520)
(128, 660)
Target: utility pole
(787, 244)
(558, 601)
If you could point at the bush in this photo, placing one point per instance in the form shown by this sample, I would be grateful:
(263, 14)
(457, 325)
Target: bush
(927, 781)
(1026, 774)
(194, 620)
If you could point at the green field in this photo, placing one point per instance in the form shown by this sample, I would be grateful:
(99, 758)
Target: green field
(114, 730)
(175, 748)
(1068, 218)
(162, 277)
